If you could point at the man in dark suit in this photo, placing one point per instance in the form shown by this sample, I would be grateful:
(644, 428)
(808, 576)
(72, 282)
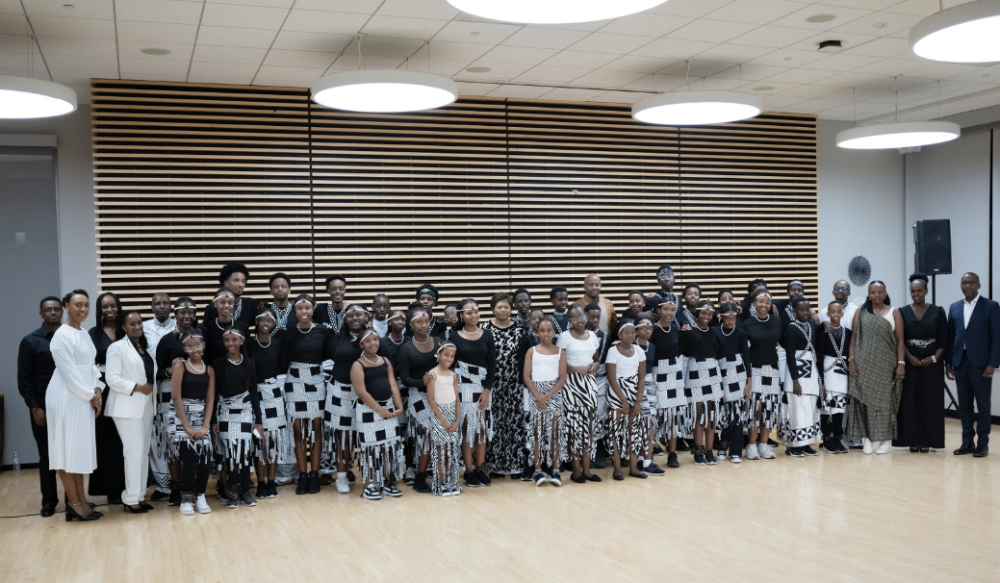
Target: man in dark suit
(972, 354)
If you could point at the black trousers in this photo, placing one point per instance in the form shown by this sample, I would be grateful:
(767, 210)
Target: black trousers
(832, 426)
(973, 389)
(46, 477)
(733, 435)
(194, 472)
(238, 476)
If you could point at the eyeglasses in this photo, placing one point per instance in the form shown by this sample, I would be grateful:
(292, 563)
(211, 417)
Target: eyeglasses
(841, 289)
(195, 348)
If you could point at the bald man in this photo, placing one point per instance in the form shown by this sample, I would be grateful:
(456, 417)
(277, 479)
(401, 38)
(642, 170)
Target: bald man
(592, 295)
(841, 295)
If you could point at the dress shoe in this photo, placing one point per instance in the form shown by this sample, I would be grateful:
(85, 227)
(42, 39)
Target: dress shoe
(966, 448)
(982, 451)
(47, 510)
(867, 446)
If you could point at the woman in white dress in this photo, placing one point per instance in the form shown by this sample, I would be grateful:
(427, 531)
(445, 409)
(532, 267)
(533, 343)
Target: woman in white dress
(72, 401)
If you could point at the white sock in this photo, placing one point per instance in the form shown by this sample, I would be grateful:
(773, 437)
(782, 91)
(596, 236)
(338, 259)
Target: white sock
(645, 463)
(341, 475)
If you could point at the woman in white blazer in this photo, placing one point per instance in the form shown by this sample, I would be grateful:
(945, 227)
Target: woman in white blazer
(130, 373)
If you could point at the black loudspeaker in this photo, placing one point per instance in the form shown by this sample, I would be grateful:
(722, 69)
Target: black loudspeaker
(932, 240)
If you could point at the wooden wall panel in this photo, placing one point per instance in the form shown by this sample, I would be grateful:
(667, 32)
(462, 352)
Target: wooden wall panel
(481, 196)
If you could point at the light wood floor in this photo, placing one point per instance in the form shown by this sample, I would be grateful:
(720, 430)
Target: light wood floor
(897, 517)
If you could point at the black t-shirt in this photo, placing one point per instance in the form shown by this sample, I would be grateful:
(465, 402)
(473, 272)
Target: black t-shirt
(667, 341)
(414, 364)
(480, 352)
(195, 386)
(232, 380)
(698, 343)
(266, 358)
(307, 347)
(795, 340)
(763, 337)
(344, 354)
(732, 343)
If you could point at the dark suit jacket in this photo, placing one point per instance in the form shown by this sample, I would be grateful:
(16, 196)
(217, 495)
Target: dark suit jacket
(980, 342)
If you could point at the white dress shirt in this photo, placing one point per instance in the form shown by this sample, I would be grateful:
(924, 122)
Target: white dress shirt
(155, 330)
(848, 318)
(381, 327)
(968, 307)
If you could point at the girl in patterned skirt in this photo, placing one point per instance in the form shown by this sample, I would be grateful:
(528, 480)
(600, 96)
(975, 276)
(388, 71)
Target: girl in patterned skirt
(734, 361)
(476, 365)
(544, 377)
(833, 346)
(702, 380)
(580, 393)
(277, 442)
(626, 366)
(193, 399)
(643, 332)
(444, 433)
(802, 383)
(673, 413)
(763, 328)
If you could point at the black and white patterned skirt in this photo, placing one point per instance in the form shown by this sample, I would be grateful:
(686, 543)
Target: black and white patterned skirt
(478, 423)
(580, 407)
(278, 441)
(419, 422)
(765, 398)
(446, 451)
(704, 383)
(380, 443)
(194, 409)
(340, 425)
(544, 424)
(835, 383)
(673, 411)
(627, 432)
(163, 422)
(305, 392)
(734, 407)
(236, 442)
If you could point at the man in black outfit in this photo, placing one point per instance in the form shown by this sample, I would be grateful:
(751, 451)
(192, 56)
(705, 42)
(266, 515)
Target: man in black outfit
(972, 354)
(34, 370)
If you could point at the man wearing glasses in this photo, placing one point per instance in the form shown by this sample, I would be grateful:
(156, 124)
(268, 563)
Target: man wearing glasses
(842, 295)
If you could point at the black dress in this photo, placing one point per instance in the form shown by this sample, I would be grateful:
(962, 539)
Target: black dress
(109, 477)
(920, 420)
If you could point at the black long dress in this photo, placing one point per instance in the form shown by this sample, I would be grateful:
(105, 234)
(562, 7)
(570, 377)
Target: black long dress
(109, 477)
(920, 420)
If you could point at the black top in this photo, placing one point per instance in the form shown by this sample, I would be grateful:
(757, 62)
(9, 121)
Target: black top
(825, 347)
(324, 314)
(697, 343)
(247, 312)
(35, 367)
(526, 342)
(732, 343)
(266, 358)
(650, 350)
(147, 365)
(481, 353)
(562, 322)
(102, 342)
(194, 386)
(306, 347)
(794, 340)
(437, 327)
(603, 345)
(290, 320)
(232, 380)
(346, 353)
(686, 316)
(377, 381)
(667, 343)
(763, 337)
(169, 348)
(784, 307)
(927, 335)
(651, 307)
(413, 364)
(393, 349)
(214, 343)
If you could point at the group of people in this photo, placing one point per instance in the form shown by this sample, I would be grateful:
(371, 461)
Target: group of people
(447, 400)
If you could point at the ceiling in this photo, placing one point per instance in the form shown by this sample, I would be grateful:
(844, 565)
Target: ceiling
(766, 47)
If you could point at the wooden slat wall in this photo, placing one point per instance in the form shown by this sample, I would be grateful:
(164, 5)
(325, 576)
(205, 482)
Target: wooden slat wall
(481, 196)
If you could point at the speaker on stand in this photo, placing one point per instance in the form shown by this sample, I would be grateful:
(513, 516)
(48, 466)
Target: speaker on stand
(932, 256)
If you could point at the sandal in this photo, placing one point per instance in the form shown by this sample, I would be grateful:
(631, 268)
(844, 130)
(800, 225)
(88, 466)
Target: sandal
(914, 449)
(925, 450)
(618, 477)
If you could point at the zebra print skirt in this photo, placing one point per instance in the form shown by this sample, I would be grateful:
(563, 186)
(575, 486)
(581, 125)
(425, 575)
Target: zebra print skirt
(305, 391)
(420, 418)
(278, 441)
(544, 424)
(164, 421)
(380, 444)
(627, 432)
(765, 398)
(478, 423)
(580, 405)
(673, 411)
(734, 407)
(446, 451)
(340, 424)
(194, 410)
(236, 442)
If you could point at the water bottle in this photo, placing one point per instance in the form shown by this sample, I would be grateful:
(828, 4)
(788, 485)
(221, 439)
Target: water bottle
(17, 463)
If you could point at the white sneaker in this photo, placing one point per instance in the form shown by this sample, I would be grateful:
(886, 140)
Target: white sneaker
(410, 476)
(883, 447)
(867, 446)
(765, 451)
(202, 505)
(752, 452)
(735, 458)
(344, 485)
(187, 509)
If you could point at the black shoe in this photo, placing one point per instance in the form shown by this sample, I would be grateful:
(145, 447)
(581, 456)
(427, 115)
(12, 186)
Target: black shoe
(794, 452)
(326, 479)
(350, 476)
(699, 459)
(555, 478)
(657, 450)
(129, 510)
(566, 467)
(710, 458)
(175, 493)
(72, 515)
(495, 476)
(539, 477)
(157, 496)
(772, 442)
(641, 475)
(303, 485)
(420, 484)
(263, 489)
(578, 479)
(618, 477)
(654, 470)
(313, 487)
(47, 510)
(247, 499)
(471, 480)
(483, 478)
(672, 460)
(829, 446)
(272, 490)
(234, 499)
(592, 478)
(982, 451)
(966, 448)
(808, 450)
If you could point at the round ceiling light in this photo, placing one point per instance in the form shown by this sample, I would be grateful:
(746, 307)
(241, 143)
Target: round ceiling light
(966, 33)
(382, 91)
(697, 107)
(553, 11)
(898, 135)
(26, 98)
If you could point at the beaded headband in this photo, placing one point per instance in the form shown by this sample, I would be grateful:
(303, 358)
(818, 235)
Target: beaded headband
(267, 313)
(427, 290)
(302, 301)
(391, 318)
(795, 282)
(625, 325)
(222, 295)
(232, 332)
(356, 308)
(644, 324)
(443, 346)
(186, 307)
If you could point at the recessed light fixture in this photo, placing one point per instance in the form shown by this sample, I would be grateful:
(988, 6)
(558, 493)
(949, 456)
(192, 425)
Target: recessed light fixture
(26, 98)
(986, 74)
(68, 6)
(553, 11)
(474, 33)
(384, 91)
(697, 107)
(478, 69)
(966, 33)
(898, 135)
(880, 25)
(821, 18)
(830, 46)
(155, 52)
(788, 58)
(764, 88)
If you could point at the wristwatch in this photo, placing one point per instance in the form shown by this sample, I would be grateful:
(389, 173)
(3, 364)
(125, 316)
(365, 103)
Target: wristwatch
(934, 359)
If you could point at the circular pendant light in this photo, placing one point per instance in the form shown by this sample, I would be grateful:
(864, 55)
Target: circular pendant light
(26, 98)
(968, 33)
(553, 11)
(697, 107)
(898, 135)
(382, 91)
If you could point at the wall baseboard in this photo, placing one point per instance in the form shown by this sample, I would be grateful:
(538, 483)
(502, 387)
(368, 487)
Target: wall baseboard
(10, 467)
(953, 414)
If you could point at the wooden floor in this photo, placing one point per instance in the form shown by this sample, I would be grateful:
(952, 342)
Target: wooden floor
(897, 517)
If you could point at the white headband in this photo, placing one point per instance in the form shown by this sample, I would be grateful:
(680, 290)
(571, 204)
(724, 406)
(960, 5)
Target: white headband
(443, 346)
(643, 324)
(232, 332)
(729, 314)
(365, 333)
(221, 295)
(356, 308)
(699, 308)
(391, 318)
(187, 307)
(302, 301)
(671, 302)
(268, 313)
(625, 325)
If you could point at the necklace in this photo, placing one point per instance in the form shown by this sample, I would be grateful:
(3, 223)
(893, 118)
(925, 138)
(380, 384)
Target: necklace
(466, 330)
(263, 345)
(389, 338)
(378, 359)
(282, 314)
(202, 371)
(731, 330)
(790, 312)
(238, 310)
(758, 317)
(645, 348)
(236, 363)
(669, 326)
(807, 331)
(311, 326)
(220, 325)
(425, 341)
(699, 328)
(690, 317)
(336, 318)
(838, 347)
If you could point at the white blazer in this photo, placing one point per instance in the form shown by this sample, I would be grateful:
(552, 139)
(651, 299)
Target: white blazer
(124, 371)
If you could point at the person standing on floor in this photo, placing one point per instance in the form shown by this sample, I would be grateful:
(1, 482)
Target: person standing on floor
(877, 368)
(416, 357)
(109, 477)
(445, 425)
(734, 362)
(802, 382)
(504, 453)
(155, 329)
(643, 333)
(626, 366)
(333, 313)
(673, 412)
(544, 374)
(594, 315)
(702, 380)
(193, 403)
(592, 295)
(973, 354)
(763, 328)
(476, 364)
(234, 277)
(73, 400)
(559, 298)
(276, 441)
(834, 344)
(580, 393)
(925, 332)
(841, 295)
(34, 371)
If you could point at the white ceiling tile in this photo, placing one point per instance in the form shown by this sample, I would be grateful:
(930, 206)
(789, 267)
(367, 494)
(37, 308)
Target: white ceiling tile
(719, 31)
(807, 91)
(798, 19)
(15, 24)
(696, 68)
(801, 76)
(476, 89)
(80, 63)
(646, 24)
(384, 47)
(847, 40)
(259, 17)
(131, 67)
(881, 47)
(733, 53)
(264, 82)
(607, 78)
(691, 8)
(448, 51)
(943, 70)
(70, 27)
(755, 11)
(581, 26)
(842, 62)
(544, 38)
(979, 75)
(580, 60)
(476, 32)
(349, 61)
(158, 11)
(437, 66)
(889, 67)
(149, 76)
(670, 48)
(437, 9)
(902, 84)
(311, 41)
(506, 71)
(552, 74)
(403, 27)
(570, 94)
(765, 87)
(519, 91)
(518, 55)
(894, 23)
(858, 94)
(223, 71)
(133, 50)
(74, 76)
(774, 101)
(357, 6)
(322, 22)
(271, 3)
(11, 7)
(788, 58)
(618, 44)
(849, 79)
(220, 80)
(225, 36)
(285, 73)
(752, 72)
(77, 46)
(662, 83)
(817, 105)
(619, 97)
(773, 36)
(214, 54)
(152, 32)
(79, 8)
(283, 58)
(919, 7)
(638, 64)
